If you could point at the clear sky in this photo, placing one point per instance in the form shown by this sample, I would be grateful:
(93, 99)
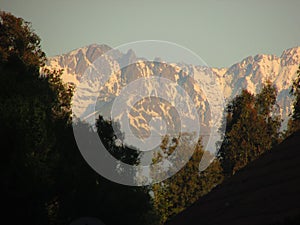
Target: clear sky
(221, 32)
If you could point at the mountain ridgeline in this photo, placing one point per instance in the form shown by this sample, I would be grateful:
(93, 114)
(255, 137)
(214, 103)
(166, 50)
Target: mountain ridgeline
(251, 73)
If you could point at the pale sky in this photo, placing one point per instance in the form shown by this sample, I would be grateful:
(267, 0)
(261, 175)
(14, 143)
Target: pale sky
(221, 32)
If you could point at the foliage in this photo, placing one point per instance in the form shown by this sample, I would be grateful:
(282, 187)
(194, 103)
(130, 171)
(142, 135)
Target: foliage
(27, 129)
(44, 179)
(252, 127)
(111, 136)
(18, 42)
(175, 194)
(294, 122)
(82, 192)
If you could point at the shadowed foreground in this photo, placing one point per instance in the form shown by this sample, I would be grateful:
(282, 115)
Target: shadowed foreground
(267, 191)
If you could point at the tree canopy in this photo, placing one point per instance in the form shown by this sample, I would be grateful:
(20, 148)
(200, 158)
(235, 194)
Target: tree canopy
(294, 122)
(18, 42)
(252, 127)
(44, 178)
(178, 192)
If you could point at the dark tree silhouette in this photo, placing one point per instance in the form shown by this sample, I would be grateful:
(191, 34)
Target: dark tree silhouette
(294, 122)
(44, 178)
(252, 127)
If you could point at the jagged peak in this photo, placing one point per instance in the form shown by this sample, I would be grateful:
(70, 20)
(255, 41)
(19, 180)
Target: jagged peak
(247, 60)
(269, 57)
(291, 51)
(258, 58)
(102, 47)
(291, 56)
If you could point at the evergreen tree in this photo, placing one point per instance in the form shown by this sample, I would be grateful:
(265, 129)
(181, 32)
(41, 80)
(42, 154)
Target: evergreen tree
(252, 127)
(175, 194)
(110, 134)
(294, 122)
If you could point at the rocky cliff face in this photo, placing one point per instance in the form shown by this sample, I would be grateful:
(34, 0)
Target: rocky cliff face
(251, 73)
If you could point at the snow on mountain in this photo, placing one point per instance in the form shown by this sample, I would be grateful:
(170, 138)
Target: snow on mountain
(76, 62)
(250, 73)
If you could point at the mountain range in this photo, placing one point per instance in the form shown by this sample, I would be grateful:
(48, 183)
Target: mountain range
(250, 73)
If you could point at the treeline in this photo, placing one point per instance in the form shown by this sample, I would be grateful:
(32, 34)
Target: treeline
(45, 180)
(253, 126)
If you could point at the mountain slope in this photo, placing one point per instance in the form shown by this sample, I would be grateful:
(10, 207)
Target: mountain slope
(75, 63)
(264, 192)
(251, 73)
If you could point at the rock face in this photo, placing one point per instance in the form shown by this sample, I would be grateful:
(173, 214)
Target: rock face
(264, 192)
(251, 73)
(77, 61)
